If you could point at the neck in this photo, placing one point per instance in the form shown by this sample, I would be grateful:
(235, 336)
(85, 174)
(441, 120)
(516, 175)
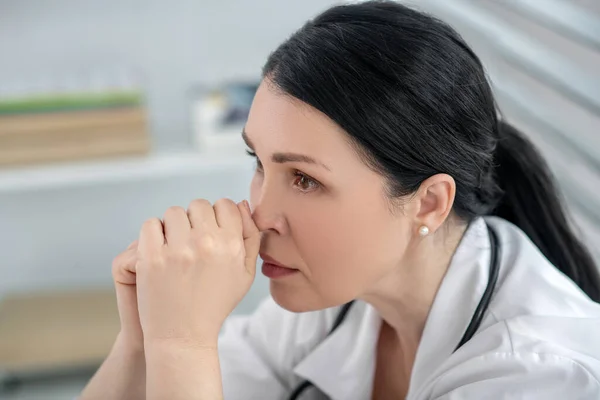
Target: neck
(404, 297)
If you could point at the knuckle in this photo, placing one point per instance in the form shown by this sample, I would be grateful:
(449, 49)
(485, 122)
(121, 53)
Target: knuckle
(206, 243)
(225, 202)
(116, 264)
(198, 203)
(123, 262)
(121, 258)
(152, 222)
(174, 210)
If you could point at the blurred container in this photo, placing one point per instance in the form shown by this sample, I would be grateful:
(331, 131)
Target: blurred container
(219, 114)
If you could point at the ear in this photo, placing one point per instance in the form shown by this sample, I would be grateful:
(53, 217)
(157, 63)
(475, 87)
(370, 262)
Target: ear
(434, 201)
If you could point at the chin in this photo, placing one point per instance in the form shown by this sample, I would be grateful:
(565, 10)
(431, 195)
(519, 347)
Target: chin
(298, 300)
(290, 298)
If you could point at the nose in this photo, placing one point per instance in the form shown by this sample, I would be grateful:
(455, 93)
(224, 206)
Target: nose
(267, 211)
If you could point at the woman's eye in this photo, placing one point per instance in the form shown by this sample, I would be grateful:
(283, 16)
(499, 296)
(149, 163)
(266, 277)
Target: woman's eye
(305, 183)
(302, 181)
(258, 163)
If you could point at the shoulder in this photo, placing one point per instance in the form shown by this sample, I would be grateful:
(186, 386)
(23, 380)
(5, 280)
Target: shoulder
(534, 302)
(533, 358)
(528, 284)
(514, 375)
(541, 340)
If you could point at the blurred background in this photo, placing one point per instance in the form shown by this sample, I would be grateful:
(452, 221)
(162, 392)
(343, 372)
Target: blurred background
(110, 112)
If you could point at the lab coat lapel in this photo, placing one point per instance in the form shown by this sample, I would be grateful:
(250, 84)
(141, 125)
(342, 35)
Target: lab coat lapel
(343, 365)
(454, 304)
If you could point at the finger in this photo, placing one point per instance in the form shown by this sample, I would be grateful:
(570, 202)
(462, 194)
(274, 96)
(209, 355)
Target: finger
(177, 227)
(152, 237)
(228, 215)
(251, 235)
(202, 215)
(133, 245)
(123, 267)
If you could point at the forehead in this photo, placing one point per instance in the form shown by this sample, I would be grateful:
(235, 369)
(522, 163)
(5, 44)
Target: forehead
(278, 122)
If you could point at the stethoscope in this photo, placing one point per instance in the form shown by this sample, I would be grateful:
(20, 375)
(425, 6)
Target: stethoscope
(475, 319)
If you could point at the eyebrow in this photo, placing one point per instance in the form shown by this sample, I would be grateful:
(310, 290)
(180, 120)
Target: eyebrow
(282, 158)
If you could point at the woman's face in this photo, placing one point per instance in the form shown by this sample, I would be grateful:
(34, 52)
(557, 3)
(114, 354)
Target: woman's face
(320, 208)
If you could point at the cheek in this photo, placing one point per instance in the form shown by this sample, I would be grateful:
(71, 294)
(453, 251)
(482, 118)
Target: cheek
(345, 251)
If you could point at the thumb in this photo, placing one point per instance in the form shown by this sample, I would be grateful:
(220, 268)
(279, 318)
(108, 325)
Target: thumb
(123, 267)
(251, 235)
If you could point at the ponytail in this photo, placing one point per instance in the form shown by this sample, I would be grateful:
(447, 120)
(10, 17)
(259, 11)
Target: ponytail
(531, 201)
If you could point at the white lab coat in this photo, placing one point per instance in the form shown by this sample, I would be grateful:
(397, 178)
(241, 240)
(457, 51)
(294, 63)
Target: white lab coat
(540, 338)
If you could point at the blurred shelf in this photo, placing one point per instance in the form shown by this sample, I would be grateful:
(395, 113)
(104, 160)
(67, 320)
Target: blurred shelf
(43, 333)
(159, 165)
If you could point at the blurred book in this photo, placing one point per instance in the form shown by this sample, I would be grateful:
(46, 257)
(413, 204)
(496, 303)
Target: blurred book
(76, 125)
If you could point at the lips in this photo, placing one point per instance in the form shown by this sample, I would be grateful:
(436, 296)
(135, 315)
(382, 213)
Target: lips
(273, 269)
(272, 261)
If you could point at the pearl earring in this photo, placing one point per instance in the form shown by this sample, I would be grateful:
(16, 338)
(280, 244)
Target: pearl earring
(423, 231)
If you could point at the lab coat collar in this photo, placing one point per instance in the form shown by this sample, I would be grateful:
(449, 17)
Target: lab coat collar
(343, 365)
(454, 304)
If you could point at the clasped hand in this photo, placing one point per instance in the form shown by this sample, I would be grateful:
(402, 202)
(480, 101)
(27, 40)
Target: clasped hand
(185, 274)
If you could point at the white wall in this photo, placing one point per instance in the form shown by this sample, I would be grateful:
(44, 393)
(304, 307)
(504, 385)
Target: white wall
(174, 43)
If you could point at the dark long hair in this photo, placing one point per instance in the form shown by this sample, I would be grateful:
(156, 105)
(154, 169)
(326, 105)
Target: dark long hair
(415, 101)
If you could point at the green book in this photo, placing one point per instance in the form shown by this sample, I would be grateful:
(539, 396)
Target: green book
(44, 103)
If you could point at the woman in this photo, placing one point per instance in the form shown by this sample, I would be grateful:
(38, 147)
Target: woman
(388, 196)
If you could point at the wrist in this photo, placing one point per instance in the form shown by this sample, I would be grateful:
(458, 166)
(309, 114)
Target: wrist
(127, 345)
(173, 368)
(160, 345)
